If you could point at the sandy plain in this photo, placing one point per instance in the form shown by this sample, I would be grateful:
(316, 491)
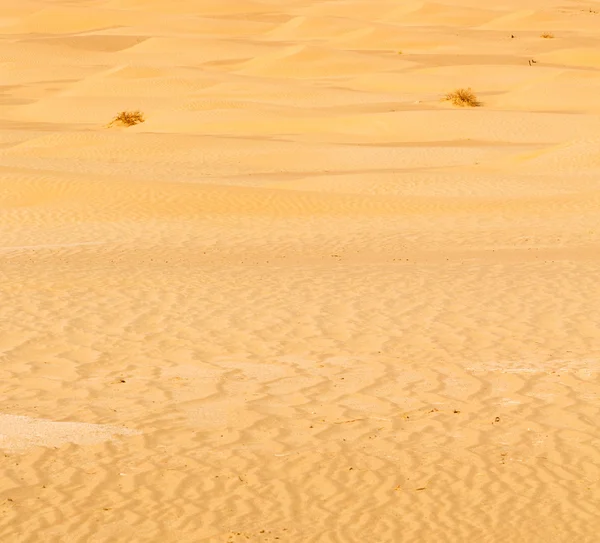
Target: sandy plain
(306, 300)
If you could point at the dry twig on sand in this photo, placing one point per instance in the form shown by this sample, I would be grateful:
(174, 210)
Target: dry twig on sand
(463, 98)
(128, 118)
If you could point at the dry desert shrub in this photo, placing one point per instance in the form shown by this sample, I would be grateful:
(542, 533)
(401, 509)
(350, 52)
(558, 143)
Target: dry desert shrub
(128, 118)
(463, 98)
(547, 35)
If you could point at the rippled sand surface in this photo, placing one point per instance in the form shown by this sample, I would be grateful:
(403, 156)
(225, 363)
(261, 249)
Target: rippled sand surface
(307, 300)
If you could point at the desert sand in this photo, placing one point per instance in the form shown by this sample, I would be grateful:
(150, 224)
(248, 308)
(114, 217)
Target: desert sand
(307, 300)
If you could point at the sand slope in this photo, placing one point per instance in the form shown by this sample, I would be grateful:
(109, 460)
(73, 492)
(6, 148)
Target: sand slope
(306, 300)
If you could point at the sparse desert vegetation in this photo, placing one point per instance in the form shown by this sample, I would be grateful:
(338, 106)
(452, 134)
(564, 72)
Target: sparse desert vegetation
(463, 98)
(128, 118)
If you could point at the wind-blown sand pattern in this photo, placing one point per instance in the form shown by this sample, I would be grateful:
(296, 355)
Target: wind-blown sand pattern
(306, 300)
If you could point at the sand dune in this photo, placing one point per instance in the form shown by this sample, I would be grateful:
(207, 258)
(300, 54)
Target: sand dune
(307, 300)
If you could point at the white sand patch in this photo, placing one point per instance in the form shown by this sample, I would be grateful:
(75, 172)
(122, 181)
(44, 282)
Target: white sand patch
(18, 432)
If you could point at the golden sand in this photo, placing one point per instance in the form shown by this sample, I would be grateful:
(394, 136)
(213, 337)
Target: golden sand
(308, 299)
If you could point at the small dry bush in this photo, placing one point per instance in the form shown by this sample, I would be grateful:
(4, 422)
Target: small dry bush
(547, 35)
(128, 118)
(463, 98)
